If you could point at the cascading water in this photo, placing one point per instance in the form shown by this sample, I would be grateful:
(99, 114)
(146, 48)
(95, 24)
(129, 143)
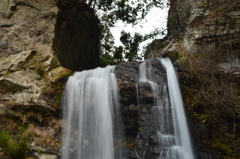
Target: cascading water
(173, 135)
(90, 103)
(183, 144)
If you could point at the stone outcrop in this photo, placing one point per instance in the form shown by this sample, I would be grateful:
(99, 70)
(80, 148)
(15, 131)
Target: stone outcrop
(141, 116)
(76, 41)
(31, 78)
(30, 92)
(192, 24)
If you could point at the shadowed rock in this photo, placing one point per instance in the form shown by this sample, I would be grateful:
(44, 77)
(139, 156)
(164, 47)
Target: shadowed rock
(77, 36)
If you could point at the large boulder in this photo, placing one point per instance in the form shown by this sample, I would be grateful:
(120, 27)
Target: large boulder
(76, 41)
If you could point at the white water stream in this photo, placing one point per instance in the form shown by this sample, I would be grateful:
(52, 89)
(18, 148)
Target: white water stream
(90, 103)
(182, 148)
(173, 135)
(93, 124)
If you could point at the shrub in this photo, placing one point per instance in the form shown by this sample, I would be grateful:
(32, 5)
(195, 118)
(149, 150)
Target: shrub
(14, 146)
(208, 83)
(211, 92)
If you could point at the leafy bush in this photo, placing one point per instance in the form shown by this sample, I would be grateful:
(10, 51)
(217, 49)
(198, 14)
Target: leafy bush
(14, 146)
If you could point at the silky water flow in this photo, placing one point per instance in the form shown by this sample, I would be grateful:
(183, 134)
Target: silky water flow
(93, 120)
(173, 135)
(92, 116)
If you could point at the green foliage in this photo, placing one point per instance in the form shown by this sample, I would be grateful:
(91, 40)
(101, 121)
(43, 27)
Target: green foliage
(118, 54)
(154, 33)
(127, 11)
(141, 128)
(106, 59)
(131, 45)
(14, 146)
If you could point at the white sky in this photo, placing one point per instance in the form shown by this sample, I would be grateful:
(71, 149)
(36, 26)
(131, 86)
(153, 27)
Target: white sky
(156, 18)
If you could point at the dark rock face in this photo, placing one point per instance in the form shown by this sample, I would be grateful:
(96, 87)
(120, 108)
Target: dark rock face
(76, 36)
(140, 115)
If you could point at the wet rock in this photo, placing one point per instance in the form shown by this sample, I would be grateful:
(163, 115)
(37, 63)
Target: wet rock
(197, 27)
(140, 115)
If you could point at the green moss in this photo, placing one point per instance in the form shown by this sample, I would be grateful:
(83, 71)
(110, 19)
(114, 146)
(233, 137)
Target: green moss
(222, 145)
(201, 117)
(181, 57)
(8, 72)
(141, 128)
(131, 145)
(55, 84)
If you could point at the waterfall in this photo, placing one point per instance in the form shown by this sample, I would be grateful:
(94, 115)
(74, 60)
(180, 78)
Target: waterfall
(181, 133)
(173, 135)
(92, 127)
(91, 114)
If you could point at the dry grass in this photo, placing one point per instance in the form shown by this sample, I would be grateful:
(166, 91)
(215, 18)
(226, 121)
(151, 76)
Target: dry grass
(206, 83)
(212, 95)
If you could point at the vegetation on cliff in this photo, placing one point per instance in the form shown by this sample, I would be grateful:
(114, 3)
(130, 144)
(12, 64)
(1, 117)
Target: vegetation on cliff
(212, 96)
(203, 39)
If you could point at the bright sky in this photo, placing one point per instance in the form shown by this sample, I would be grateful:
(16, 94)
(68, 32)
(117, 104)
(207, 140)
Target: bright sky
(156, 18)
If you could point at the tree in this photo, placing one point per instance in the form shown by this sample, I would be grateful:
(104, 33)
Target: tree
(131, 45)
(118, 54)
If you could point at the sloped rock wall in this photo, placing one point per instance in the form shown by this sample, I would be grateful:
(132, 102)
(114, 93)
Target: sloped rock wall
(192, 24)
(30, 92)
(204, 37)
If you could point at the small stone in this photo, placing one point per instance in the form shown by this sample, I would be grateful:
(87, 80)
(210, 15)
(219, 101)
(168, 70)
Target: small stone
(4, 45)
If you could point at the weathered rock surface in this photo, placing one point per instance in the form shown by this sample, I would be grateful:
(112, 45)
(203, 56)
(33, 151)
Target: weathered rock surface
(30, 91)
(192, 24)
(32, 80)
(26, 25)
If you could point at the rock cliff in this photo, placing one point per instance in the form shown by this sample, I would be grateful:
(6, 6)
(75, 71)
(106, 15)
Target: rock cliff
(31, 78)
(192, 24)
(203, 41)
